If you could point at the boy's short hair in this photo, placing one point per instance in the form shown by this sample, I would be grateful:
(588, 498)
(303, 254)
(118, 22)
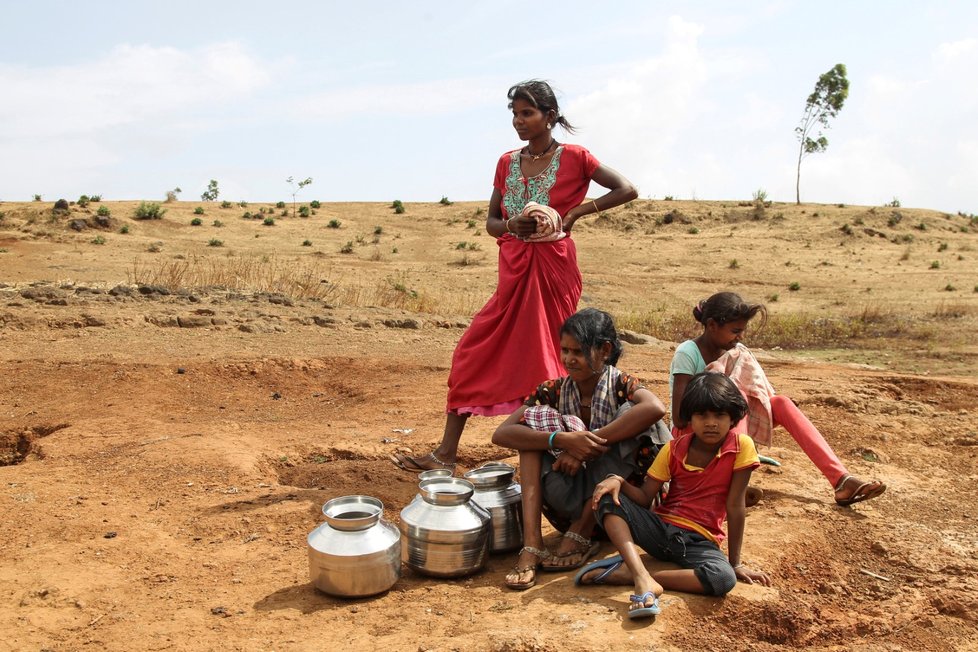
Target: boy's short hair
(712, 391)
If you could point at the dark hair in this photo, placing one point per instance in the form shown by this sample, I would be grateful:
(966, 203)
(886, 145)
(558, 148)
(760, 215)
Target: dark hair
(592, 328)
(713, 391)
(539, 94)
(725, 307)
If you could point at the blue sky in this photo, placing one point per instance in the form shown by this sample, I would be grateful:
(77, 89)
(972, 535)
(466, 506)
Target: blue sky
(384, 100)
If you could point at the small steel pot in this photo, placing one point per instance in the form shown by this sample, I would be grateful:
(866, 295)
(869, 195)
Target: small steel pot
(498, 494)
(355, 553)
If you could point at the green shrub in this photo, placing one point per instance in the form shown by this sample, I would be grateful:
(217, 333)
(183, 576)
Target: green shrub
(214, 242)
(395, 204)
(149, 211)
(347, 248)
(303, 211)
(845, 228)
(217, 223)
(280, 204)
(399, 210)
(667, 198)
(226, 204)
(935, 264)
(378, 230)
(243, 204)
(692, 230)
(315, 203)
(269, 221)
(37, 198)
(99, 240)
(895, 203)
(124, 229)
(795, 286)
(773, 298)
(444, 201)
(199, 210)
(307, 243)
(470, 224)
(942, 247)
(734, 264)
(334, 224)
(83, 201)
(95, 198)
(103, 211)
(196, 221)
(949, 288)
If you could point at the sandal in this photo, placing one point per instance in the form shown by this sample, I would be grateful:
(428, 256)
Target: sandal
(606, 566)
(519, 570)
(865, 491)
(585, 548)
(418, 464)
(638, 609)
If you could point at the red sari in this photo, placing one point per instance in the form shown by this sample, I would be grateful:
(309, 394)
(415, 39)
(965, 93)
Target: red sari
(513, 342)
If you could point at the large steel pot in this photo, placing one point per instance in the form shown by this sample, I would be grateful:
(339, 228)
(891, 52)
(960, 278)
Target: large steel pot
(498, 494)
(356, 552)
(445, 533)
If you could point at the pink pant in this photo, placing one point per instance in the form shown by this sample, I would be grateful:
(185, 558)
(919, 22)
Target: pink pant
(786, 414)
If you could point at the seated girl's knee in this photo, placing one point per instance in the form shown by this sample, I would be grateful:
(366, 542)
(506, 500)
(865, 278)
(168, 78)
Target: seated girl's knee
(724, 580)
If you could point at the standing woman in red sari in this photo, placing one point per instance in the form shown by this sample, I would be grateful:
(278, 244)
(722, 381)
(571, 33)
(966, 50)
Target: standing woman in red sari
(513, 343)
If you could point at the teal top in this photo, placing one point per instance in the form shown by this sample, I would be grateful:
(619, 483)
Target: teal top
(686, 360)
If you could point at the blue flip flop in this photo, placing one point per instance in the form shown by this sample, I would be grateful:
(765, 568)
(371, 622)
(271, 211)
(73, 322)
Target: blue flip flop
(610, 565)
(644, 612)
(764, 459)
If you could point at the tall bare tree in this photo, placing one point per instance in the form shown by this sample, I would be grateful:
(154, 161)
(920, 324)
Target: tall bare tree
(831, 91)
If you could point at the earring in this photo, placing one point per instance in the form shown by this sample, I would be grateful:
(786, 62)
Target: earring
(549, 126)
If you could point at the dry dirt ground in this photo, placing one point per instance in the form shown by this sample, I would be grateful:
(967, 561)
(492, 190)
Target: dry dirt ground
(166, 448)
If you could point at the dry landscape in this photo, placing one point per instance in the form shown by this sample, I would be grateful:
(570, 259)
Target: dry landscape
(177, 401)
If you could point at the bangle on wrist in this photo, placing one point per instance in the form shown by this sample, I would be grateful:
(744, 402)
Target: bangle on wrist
(612, 475)
(506, 225)
(740, 565)
(596, 209)
(550, 441)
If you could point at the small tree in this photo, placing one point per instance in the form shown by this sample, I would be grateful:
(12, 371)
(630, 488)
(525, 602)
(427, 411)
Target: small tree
(212, 192)
(296, 187)
(171, 195)
(831, 91)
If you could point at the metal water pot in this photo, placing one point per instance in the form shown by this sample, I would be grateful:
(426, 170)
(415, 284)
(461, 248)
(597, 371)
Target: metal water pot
(497, 493)
(356, 552)
(446, 534)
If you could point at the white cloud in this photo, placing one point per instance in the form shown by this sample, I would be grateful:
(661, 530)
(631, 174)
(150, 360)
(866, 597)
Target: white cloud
(130, 84)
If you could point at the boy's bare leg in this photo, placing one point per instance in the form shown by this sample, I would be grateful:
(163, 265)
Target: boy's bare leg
(621, 536)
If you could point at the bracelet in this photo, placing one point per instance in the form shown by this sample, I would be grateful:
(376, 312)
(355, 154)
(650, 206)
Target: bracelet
(506, 225)
(613, 475)
(550, 442)
(740, 565)
(595, 204)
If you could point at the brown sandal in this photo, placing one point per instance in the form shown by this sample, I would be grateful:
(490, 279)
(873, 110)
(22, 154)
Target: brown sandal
(519, 570)
(585, 548)
(418, 464)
